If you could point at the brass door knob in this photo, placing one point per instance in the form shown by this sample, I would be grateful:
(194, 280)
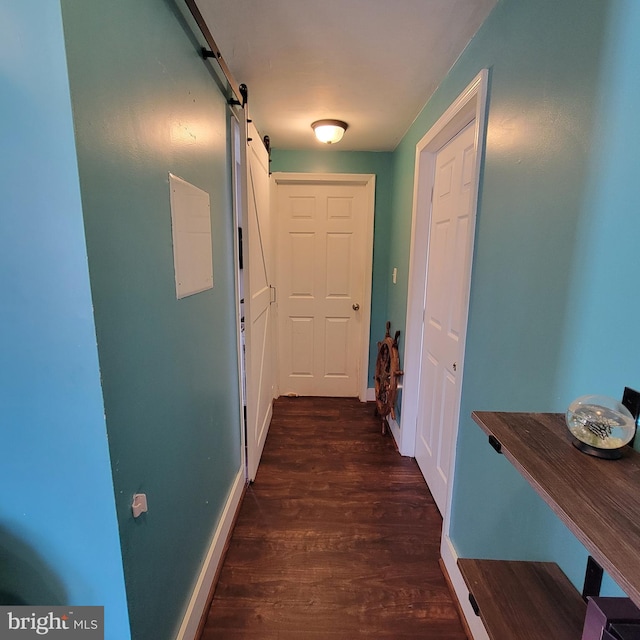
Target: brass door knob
(355, 306)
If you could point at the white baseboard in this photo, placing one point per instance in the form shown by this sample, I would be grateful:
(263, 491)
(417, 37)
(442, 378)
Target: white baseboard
(450, 559)
(394, 427)
(200, 595)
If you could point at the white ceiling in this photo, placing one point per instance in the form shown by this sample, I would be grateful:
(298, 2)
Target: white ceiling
(372, 63)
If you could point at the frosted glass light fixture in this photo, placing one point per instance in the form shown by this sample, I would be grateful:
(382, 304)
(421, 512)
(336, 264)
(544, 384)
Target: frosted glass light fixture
(329, 131)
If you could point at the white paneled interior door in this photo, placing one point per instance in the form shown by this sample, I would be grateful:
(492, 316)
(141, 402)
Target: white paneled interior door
(325, 235)
(259, 331)
(451, 233)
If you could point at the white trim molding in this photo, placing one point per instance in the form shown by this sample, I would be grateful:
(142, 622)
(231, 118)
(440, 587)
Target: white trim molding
(470, 106)
(394, 427)
(213, 560)
(450, 559)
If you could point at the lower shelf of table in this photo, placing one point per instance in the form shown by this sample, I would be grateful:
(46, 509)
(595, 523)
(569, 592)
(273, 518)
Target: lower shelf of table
(524, 600)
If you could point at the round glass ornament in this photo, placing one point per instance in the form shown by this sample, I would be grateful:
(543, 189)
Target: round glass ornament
(600, 426)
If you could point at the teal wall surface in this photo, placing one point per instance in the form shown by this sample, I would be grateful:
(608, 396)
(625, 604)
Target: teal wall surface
(552, 309)
(379, 163)
(146, 104)
(59, 540)
(552, 315)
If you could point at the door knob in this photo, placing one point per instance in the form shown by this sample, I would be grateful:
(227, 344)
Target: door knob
(355, 306)
(455, 366)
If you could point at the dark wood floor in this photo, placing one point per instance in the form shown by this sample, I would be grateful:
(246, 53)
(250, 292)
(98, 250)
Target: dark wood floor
(338, 538)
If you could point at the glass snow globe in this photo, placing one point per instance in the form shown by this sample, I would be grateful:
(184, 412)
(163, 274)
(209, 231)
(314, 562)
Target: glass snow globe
(600, 426)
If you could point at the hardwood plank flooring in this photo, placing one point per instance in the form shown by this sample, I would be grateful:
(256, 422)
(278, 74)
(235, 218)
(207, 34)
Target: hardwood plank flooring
(338, 537)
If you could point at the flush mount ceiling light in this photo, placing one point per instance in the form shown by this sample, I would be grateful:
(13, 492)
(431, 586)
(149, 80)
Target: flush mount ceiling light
(329, 131)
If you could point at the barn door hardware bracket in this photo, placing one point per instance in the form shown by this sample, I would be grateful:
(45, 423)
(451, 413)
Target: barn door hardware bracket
(207, 53)
(213, 51)
(244, 92)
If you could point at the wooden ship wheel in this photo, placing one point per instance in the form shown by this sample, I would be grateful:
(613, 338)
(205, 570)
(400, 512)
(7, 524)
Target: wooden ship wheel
(386, 377)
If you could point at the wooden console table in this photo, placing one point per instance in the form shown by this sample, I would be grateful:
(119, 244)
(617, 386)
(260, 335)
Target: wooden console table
(598, 500)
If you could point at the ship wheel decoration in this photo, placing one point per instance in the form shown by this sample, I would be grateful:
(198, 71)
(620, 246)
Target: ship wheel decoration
(386, 377)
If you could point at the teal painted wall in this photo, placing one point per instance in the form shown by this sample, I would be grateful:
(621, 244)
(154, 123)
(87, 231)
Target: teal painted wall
(551, 313)
(379, 163)
(145, 104)
(58, 529)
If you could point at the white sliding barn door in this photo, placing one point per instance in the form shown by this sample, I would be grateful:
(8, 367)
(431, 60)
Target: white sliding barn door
(324, 286)
(259, 342)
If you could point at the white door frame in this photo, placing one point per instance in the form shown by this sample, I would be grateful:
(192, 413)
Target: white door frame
(369, 182)
(469, 106)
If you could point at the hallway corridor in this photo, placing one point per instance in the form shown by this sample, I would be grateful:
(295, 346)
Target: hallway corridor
(338, 538)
